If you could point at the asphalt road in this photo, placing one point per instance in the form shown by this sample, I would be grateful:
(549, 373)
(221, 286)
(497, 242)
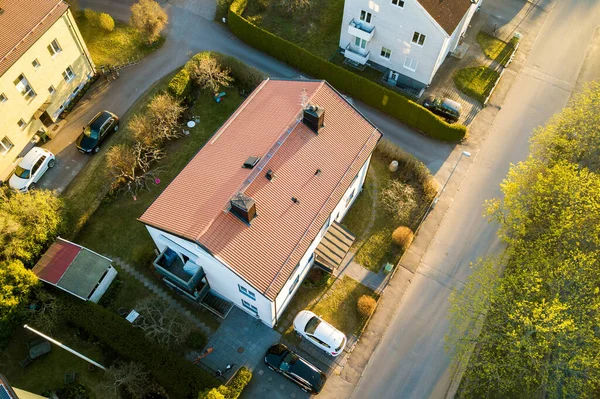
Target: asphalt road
(410, 361)
(187, 34)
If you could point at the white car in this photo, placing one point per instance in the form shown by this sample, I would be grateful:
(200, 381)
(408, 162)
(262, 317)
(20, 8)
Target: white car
(31, 168)
(320, 333)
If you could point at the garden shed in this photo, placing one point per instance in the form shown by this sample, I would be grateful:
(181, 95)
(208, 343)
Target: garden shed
(76, 270)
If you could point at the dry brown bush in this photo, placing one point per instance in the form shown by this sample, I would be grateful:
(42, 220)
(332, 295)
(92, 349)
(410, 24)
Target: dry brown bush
(366, 305)
(148, 17)
(403, 237)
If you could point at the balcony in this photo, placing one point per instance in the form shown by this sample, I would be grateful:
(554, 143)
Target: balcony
(361, 29)
(187, 275)
(355, 54)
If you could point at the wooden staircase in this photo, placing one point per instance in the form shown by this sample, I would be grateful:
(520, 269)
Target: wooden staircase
(333, 247)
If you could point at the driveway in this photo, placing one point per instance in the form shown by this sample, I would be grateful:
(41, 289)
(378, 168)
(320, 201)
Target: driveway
(410, 361)
(188, 33)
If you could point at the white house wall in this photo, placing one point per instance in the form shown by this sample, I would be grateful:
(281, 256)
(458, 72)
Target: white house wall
(220, 278)
(284, 296)
(394, 29)
(111, 273)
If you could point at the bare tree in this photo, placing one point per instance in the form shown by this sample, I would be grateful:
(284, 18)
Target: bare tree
(149, 18)
(142, 130)
(290, 6)
(130, 167)
(129, 377)
(165, 110)
(208, 74)
(49, 315)
(162, 322)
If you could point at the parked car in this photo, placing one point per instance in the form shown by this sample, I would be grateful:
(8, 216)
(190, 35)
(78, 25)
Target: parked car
(444, 107)
(320, 333)
(97, 131)
(31, 168)
(282, 360)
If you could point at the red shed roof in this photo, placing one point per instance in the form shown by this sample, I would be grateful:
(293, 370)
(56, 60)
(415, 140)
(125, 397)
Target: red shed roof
(56, 261)
(267, 125)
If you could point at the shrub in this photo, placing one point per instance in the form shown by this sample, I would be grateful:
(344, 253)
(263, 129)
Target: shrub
(179, 86)
(399, 200)
(179, 377)
(403, 237)
(238, 383)
(196, 340)
(106, 22)
(371, 93)
(208, 74)
(213, 393)
(430, 189)
(91, 16)
(247, 78)
(163, 111)
(366, 305)
(148, 17)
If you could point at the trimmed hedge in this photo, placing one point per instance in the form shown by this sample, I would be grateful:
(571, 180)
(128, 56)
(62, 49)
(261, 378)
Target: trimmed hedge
(371, 93)
(179, 85)
(179, 377)
(238, 383)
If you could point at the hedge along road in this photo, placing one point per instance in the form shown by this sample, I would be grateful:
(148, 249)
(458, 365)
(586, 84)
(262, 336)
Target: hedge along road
(188, 34)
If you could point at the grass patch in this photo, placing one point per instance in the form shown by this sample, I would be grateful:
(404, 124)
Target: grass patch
(496, 49)
(369, 73)
(371, 222)
(316, 28)
(48, 372)
(116, 47)
(476, 82)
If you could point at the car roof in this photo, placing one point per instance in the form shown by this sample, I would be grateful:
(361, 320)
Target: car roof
(329, 334)
(31, 157)
(305, 370)
(99, 120)
(451, 104)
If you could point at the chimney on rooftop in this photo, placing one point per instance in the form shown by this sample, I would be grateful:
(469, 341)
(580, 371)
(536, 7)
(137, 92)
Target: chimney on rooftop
(313, 116)
(243, 207)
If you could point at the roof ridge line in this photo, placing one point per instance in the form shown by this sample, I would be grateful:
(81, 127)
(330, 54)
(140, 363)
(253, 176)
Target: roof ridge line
(32, 29)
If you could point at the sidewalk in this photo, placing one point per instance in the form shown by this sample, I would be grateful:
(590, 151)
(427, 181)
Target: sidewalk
(531, 18)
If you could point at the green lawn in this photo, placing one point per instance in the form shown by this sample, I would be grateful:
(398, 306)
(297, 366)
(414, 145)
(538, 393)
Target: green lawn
(48, 372)
(496, 49)
(116, 47)
(317, 28)
(369, 73)
(476, 82)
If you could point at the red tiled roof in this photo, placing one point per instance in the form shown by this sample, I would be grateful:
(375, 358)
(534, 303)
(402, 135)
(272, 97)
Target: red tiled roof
(447, 13)
(55, 262)
(22, 23)
(264, 254)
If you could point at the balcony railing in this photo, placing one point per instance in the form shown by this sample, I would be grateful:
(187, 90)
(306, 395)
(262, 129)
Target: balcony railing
(359, 56)
(361, 29)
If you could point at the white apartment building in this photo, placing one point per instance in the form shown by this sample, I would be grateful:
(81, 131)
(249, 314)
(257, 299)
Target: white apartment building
(406, 39)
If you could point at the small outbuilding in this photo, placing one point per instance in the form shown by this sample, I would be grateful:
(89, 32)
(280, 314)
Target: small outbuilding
(76, 270)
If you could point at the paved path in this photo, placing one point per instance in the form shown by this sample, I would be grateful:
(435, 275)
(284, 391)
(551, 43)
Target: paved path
(187, 34)
(162, 293)
(410, 361)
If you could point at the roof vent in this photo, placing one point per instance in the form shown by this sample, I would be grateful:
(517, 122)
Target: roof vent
(251, 162)
(270, 175)
(313, 117)
(295, 200)
(243, 207)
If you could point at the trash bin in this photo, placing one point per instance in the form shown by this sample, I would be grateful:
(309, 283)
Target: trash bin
(387, 269)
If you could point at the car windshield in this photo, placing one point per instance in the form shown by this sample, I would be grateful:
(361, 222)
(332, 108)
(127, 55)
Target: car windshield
(287, 361)
(341, 345)
(22, 173)
(91, 132)
(437, 102)
(312, 325)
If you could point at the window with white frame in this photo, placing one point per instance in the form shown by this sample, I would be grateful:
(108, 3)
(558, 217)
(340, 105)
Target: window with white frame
(410, 64)
(398, 3)
(3, 98)
(68, 74)
(418, 38)
(51, 89)
(385, 53)
(21, 123)
(362, 43)
(36, 64)
(349, 199)
(365, 16)
(5, 145)
(54, 48)
(247, 292)
(249, 306)
(23, 86)
(295, 283)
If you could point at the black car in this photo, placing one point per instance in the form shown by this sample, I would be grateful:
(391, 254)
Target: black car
(294, 367)
(96, 131)
(444, 107)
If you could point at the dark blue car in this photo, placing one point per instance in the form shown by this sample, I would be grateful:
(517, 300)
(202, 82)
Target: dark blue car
(296, 368)
(97, 131)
